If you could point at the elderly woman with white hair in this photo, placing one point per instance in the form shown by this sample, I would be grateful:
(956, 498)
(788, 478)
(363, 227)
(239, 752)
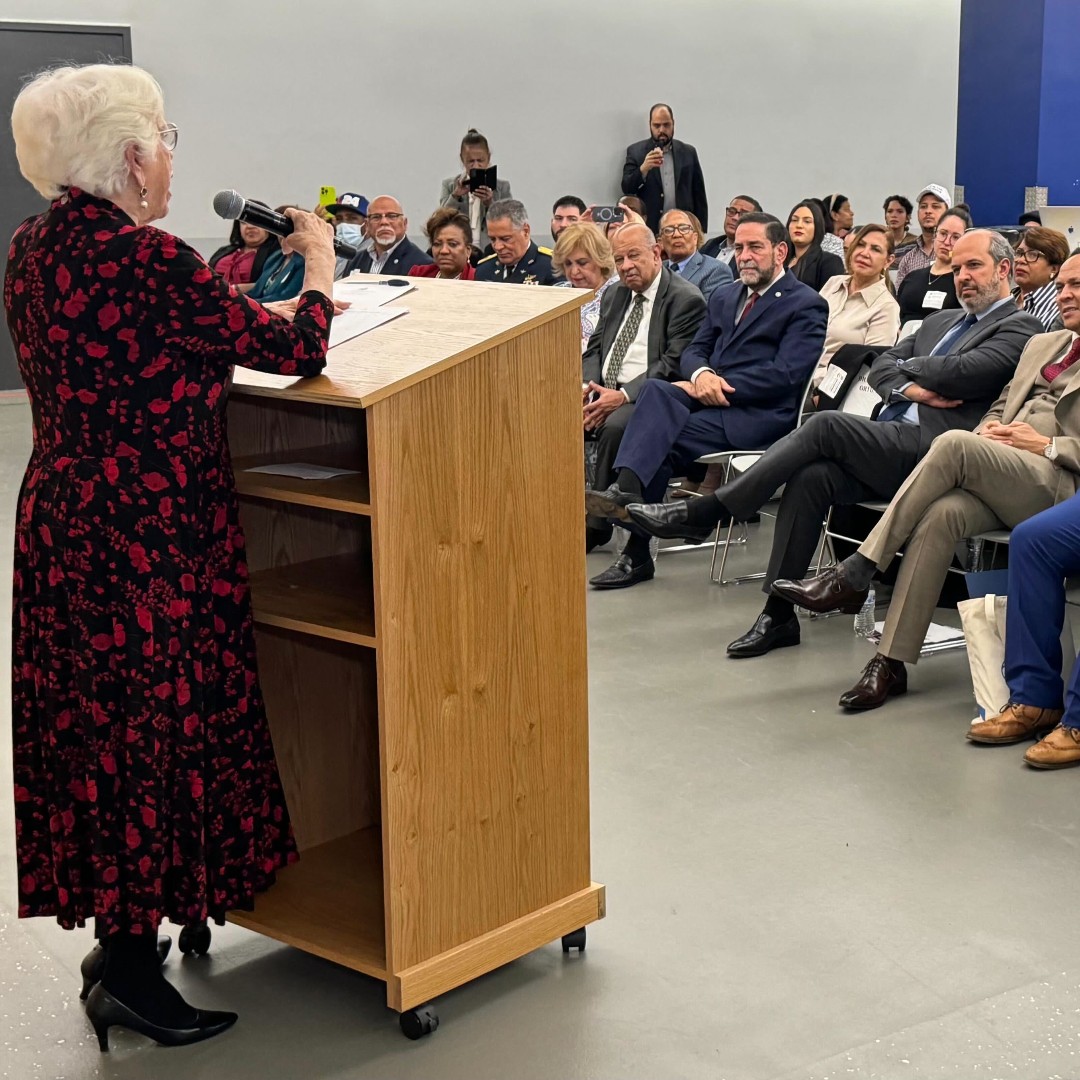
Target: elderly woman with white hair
(144, 776)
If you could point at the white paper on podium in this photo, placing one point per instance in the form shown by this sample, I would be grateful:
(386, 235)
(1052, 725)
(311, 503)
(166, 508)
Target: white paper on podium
(302, 470)
(356, 321)
(369, 296)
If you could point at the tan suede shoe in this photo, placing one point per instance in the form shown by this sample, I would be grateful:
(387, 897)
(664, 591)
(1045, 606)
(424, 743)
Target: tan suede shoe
(1015, 723)
(1059, 750)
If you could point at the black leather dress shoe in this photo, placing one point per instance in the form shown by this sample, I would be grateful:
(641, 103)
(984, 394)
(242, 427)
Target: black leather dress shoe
(881, 679)
(668, 520)
(764, 636)
(828, 591)
(611, 503)
(622, 573)
(595, 538)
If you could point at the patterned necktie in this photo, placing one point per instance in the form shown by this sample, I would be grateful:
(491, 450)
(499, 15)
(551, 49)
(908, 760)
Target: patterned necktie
(1056, 367)
(623, 342)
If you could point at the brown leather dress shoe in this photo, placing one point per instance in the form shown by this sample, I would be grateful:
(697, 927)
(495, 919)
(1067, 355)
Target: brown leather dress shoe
(828, 591)
(882, 679)
(1059, 750)
(1014, 724)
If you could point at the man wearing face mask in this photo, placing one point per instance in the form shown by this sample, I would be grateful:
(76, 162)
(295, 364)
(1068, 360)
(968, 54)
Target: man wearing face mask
(392, 252)
(350, 226)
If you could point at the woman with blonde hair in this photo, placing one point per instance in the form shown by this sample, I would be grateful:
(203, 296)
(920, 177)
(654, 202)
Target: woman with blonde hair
(144, 776)
(583, 257)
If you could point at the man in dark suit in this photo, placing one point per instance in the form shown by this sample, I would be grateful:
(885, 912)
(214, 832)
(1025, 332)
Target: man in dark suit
(392, 252)
(664, 172)
(722, 247)
(517, 260)
(646, 321)
(744, 377)
(944, 377)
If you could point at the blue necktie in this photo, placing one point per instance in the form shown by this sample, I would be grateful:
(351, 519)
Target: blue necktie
(897, 409)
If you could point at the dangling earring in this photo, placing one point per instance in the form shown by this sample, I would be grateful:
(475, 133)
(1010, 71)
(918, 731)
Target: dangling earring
(142, 195)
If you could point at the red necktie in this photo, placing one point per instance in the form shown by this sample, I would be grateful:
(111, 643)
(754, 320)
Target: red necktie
(750, 305)
(1054, 369)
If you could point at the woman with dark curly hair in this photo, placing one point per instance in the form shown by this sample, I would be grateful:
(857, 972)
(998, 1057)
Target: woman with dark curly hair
(450, 235)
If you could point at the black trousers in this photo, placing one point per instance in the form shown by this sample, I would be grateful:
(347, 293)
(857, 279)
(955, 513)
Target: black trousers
(834, 459)
(608, 439)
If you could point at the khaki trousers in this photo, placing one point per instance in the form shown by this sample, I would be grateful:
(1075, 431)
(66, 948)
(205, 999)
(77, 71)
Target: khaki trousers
(964, 486)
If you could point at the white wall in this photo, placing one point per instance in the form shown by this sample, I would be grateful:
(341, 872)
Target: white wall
(783, 98)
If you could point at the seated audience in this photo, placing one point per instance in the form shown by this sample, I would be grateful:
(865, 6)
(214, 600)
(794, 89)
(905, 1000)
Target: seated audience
(241, 260)
(456, 193)
(898, 210)
(931, 288)
(810, 264)
(567, 211)
(1021, 459)
(583, 257)
(392, 252)
(932, 202)
(282, 274)
(450, 237)
(1039, 256)
(722, 247)
(838, 458)
(517, 259)
(1043, 552)
(862, 308)
(349, 215)
(839, 220)
(646, 321)
(680, 237)
(743, 380)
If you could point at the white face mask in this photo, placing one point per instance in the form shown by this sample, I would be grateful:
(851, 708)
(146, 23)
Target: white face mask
(348, 232)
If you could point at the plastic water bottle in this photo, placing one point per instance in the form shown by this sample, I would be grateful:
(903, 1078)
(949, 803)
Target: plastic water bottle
(864, 620)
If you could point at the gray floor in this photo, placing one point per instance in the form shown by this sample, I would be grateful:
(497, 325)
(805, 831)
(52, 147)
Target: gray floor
(792, 892)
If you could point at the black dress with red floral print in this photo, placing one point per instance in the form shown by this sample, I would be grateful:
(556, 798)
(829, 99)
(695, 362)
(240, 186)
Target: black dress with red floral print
(145, 780)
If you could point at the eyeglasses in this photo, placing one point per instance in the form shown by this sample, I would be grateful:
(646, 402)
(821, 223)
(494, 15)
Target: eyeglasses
(672, 230)
(384, 217)
(1029, 255)
(734, 211)
(952, 238)
(170, 135)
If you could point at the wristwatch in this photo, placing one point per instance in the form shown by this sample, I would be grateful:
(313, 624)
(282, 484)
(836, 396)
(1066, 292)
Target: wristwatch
(1050, 450)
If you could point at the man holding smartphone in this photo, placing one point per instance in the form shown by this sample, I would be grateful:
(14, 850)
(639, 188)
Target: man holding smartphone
(664, 172)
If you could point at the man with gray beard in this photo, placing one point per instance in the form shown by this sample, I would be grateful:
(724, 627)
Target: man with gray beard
(944, 377)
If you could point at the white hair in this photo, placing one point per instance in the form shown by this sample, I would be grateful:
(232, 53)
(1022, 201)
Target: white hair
(72, 126)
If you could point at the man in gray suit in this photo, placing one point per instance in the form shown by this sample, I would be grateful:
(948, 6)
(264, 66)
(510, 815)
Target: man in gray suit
(645, 323)
(681, 237)
(944, 377)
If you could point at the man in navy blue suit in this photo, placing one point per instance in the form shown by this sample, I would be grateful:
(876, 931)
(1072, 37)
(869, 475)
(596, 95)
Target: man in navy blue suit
(744, 376)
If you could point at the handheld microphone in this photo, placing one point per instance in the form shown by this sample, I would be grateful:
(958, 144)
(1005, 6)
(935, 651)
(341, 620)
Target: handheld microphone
(234, 207)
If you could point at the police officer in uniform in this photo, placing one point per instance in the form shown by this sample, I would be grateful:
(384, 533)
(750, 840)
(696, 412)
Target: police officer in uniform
(517, 259)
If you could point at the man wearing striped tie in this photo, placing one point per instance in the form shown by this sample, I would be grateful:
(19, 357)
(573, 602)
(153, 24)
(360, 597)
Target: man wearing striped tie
(1022, 459)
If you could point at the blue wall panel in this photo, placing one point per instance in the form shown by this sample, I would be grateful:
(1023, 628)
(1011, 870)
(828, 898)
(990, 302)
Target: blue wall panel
(1059, 131)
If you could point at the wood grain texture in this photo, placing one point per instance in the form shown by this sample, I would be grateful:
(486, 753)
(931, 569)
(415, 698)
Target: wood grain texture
(322, 707)
(280, 534)
(284, 429)
(330, 903)
(413, 986)
(349, 494)
(480, 618)
(448, 322)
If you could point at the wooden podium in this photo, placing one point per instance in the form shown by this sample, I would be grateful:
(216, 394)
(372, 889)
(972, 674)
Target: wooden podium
(421, 638)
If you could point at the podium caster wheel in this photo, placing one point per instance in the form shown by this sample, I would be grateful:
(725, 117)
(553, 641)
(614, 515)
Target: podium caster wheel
(574, 940)
(418, 1022)
(195, 940)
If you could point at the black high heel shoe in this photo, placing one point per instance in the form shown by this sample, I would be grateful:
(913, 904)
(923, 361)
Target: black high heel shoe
(93, 964)
(104, 1012)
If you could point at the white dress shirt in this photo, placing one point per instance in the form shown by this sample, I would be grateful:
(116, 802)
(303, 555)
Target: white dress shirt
(379, 261)
(636, 361)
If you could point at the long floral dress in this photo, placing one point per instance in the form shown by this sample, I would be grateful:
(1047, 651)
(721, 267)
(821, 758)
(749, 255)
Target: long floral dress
(145, 780)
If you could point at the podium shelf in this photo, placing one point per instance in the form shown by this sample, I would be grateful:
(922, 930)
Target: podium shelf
(330, 598)
(330, 903)
(350, 494)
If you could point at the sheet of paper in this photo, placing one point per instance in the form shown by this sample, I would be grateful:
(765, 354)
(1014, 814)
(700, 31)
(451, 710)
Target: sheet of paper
(832, 380)
(356, 321)
(367, 294)
(935, 635)
(303, 470)
(861, 399)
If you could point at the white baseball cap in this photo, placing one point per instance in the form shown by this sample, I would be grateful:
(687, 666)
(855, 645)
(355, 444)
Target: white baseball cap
(937, 191)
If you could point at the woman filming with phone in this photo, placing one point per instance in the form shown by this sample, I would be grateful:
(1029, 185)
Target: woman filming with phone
(472, 197)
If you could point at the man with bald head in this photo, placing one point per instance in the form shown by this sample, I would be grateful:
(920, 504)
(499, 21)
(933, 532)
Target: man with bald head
(646, 321)
(942, 378)
(392, 251)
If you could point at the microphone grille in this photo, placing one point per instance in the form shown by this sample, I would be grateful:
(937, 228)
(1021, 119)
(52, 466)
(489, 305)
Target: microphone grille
(228, 204)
